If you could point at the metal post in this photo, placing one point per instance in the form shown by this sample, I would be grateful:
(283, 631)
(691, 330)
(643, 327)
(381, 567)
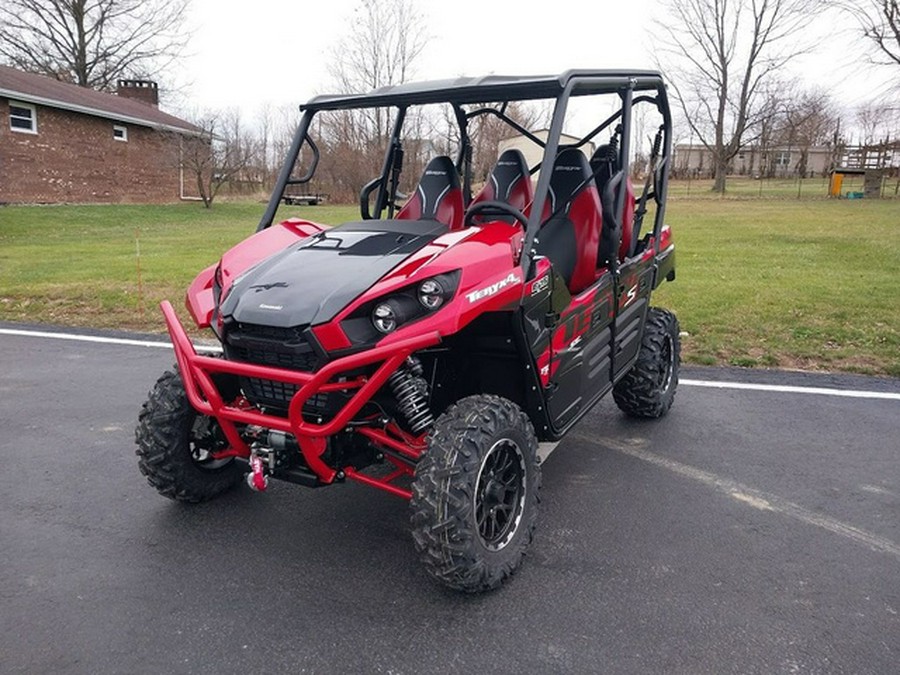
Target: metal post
(286, 169)
(662, 186)
(543, 184)
(625, 148)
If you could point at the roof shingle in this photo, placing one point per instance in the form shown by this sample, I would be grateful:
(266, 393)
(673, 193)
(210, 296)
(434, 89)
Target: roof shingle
(43, 90)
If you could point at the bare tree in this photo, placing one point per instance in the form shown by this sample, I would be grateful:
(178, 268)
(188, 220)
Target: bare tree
(380, 49)
(719, 55)
(383, 42)
(879, 22)
(767, 131)
(92, 43)
(486, 131)
(809, 119)
(220, 154)
(877, 122)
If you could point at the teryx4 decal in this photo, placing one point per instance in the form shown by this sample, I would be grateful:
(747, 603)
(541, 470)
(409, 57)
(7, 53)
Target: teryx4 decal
(494, 288)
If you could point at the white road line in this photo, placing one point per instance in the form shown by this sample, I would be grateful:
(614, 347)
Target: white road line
(787, 389)
(101, 340)
(758, 499)
(775, 388)
(878, 490)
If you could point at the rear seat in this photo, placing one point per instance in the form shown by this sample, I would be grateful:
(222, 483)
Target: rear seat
(508, 182)
(571, 237)
(617, 228)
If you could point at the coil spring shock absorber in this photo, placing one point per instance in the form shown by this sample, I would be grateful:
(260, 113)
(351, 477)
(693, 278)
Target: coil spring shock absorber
(411, 391)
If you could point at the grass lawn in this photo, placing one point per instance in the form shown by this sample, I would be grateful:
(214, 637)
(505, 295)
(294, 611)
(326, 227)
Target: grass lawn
(78, 265)
(785, 283)
(788, 284)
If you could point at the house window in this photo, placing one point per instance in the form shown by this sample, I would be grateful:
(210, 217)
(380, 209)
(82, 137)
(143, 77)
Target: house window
(120, 133)
(22, 117)
(782, 158)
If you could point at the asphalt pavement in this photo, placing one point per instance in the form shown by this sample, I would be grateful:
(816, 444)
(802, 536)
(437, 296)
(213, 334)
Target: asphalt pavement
(749, 531)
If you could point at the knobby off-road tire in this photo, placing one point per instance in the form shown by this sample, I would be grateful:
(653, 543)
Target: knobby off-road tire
(475, 494)
(173, 444)
(648, 389)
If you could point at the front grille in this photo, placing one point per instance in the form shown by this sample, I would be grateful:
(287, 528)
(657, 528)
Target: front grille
(278, 395)
(278, 347)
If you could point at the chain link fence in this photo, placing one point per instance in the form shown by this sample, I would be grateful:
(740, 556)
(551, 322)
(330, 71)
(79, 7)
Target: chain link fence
(743, 187)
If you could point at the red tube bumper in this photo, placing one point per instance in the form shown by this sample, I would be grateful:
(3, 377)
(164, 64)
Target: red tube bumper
(196, 373)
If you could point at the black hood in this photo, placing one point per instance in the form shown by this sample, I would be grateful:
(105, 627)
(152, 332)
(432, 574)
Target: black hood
(310, 282)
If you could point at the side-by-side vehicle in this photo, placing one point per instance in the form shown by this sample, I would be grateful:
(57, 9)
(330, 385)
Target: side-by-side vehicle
(440, 345)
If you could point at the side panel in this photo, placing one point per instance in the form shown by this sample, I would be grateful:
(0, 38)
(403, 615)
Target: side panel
(665, 263)
(200, 299)
(581, 353)
(636, 282)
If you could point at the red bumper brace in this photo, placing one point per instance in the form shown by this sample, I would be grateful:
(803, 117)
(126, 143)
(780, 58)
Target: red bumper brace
(196, 371)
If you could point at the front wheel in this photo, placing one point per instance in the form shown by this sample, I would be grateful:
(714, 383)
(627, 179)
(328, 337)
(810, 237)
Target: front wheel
(174, 446)
(475, 494)
(648, 389)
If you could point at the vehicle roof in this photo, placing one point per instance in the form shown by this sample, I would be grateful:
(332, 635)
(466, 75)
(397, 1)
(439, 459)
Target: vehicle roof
(491, 89)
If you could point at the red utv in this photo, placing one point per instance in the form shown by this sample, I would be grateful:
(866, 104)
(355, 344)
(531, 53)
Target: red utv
(438, 349)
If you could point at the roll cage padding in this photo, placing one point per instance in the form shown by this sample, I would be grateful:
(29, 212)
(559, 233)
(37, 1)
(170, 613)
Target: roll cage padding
(571, 235)
(508, 182)
(438, 195)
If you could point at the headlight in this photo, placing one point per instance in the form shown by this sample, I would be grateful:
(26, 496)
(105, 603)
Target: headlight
(371, 321)
(431, 294)
(384, 317)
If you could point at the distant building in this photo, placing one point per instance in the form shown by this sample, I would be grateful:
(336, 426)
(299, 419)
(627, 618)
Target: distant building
(779, 161)
(64, 143)
(535, 153)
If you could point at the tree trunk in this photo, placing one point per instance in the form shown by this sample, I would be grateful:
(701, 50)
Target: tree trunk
(201, 188)
(803, 163)
(719, 175)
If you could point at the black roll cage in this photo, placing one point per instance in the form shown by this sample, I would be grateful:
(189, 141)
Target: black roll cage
(488, 92)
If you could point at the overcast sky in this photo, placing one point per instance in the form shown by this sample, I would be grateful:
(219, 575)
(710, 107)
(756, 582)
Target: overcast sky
(277, 51)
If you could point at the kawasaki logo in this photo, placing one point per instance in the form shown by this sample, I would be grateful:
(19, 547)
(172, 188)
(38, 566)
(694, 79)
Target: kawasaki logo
(487, 291)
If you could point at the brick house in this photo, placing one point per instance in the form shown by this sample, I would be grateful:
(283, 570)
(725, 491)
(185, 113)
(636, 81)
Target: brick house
(64, 143)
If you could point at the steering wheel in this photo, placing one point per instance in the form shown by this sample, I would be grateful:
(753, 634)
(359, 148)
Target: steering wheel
(494, 208)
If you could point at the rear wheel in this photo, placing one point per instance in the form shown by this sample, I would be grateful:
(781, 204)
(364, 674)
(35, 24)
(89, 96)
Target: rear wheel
(175, 443)
(648, 389)
(475, 494)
